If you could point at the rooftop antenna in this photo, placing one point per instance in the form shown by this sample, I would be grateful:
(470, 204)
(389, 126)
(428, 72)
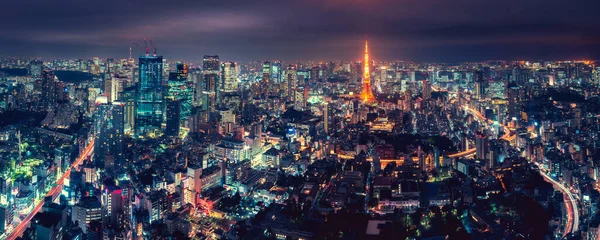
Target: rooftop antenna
(130, 56)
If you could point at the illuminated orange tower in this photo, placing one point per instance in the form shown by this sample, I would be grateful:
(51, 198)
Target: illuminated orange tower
(367, 94)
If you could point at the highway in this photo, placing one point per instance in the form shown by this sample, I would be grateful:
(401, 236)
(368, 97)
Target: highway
(570, 202)
(507, 136)
(54, 192)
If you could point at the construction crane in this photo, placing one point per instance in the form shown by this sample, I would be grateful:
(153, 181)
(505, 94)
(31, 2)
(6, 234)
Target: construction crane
(147, 48)
(152, 43)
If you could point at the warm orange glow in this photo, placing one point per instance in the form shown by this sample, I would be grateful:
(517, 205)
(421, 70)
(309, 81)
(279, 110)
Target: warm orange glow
(367, 94)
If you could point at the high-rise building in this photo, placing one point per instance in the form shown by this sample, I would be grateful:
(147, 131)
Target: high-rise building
(49, 95)
(314, 73)
(210, 94)
(267, 82)
(157, 204)
(128, 98)
(173, 118)
(112, 203)
(109, 128)
(150, 99)
(229, 76)
(426, 89)
(35, 69)
(210, 64)
(4, 220)
(367, 92)
(111, 89)
(479, 85)
(291, 83)
(326, 117)
(88, 209)
(194, 173)
(276, 72)
(514, 108)
(181, 89)
(481, 145)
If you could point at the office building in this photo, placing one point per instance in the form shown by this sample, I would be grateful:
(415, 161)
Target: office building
(87, 210)
(481, 145)
(173, 118)
(35, 69)
(327, 117)
(229, 77)
(211, 82)
(49, 91)
(109, 128)
(181, 89)
(291, 83)
(150, 100)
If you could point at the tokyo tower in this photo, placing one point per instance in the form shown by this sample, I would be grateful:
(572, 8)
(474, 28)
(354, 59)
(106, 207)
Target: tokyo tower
(367, 94)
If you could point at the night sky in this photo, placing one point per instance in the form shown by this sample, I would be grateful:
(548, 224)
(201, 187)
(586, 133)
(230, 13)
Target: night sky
(242, 30)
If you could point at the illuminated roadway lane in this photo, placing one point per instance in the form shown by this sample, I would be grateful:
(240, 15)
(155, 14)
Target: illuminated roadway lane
(570, 205)
(54, 192)
(570, 202)
(507, 136)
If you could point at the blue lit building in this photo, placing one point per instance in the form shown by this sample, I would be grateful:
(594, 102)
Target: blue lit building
(150, 100)
(181, 89)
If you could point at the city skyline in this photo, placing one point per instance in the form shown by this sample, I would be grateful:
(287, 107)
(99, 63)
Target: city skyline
(437, 31)
(301, 120)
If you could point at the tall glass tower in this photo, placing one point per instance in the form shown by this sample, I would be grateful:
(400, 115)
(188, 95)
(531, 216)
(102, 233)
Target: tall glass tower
(211, 69)
(109, 127)
(180, 88)
(149, 99)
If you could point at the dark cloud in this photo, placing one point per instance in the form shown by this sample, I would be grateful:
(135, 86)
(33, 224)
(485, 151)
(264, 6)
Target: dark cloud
(432, 30)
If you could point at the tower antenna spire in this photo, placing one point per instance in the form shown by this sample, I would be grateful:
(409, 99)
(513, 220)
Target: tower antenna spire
(367, 93)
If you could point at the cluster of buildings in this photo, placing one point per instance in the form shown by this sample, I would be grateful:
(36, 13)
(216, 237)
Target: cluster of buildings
(138, 149)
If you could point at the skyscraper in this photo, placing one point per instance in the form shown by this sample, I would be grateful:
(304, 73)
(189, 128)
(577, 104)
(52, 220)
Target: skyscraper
(426, 89)
(229, 76)
(514, 108)
(128, 98)
(48, 90)
(210, 64)
(326, 117)
(276, 72)
(211, 70)
(35, 69)
(181, 89)
(367, 93)
(112, 202)
(150, 104)
(291, 83)
(479, 85)
(173, 118)
(265, 84)
(211, 92)
(111, 89)
(481, 145)
(109, 127)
